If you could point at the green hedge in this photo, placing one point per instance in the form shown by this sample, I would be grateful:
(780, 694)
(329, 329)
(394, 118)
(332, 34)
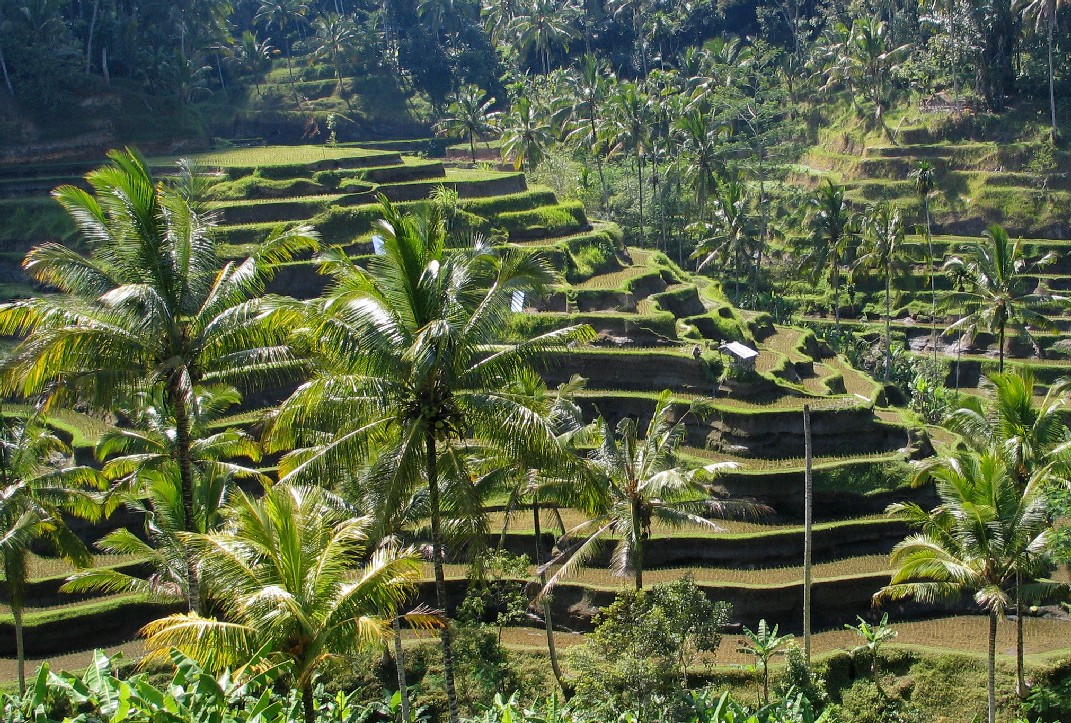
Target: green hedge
(543, 222)
(510, 203)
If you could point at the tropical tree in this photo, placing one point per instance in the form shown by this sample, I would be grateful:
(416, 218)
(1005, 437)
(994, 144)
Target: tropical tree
(406, 362)
(139, 461)
(1030, 435)
(732, 233)
(833, 229)
(628, 130)
(984, 535)
(644, 483)
(590, 84)
(283, 16)
(925, 178)
(337, 38)
(527, 134)
(1044, 13)
(542, 25)
(149, 309)
(874, 636)
(470, 117)
(883, 252)
(999, 294)
(700, 140)
(764, 643)
(38, 488)
(252, 55)
(288, 573)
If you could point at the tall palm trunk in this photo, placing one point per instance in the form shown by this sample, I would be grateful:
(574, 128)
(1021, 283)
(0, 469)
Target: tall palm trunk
(888, 322)
(308, 702)
(637, 551)
(1020, 653)
(440, 576)
(991, 668)
(836, 294)
(93, 25)
(182, 454)
(639, 184)
(7, 78)
(933, 278)
(399, 663)
(1052, 92)
(552, 648)
(1000, 367)
(808, 514)
(15, 571)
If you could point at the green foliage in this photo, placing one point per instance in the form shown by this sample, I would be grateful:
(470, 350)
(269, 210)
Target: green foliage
(642, 648)
(546, 221)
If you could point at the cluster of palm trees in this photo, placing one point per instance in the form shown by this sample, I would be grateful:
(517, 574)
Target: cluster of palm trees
(406, 417)
(995, 288)
(989, 538)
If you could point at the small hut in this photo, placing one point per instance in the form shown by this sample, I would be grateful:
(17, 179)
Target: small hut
(743, 356)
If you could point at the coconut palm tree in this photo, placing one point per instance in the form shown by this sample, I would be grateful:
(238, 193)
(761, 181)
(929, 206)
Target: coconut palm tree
(628, 130)
(925, 177)
(139, 460)
(985, 533)
(406, 362)
(884, 248)
(590, 84)
(38, 487)
(833, 230)
(542, 25)
(289, 571)
(527, 134)
(732, 233)
(470, 117)
(336, 42)
(1030, 436)
(643, 482)
(149, 308)
(1044, 13)
(283, 16)
(998, 294)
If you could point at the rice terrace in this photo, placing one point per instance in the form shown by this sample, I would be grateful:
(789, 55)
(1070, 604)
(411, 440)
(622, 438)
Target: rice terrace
(539, 361)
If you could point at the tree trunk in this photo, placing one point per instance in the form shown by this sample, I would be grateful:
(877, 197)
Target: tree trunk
(308, 702)
(399, 663)
(991, 669)
(472, 147)
(20, 649)
(552, 648)
(1020, 653)
(888, 322)
(637, 552)
(808, 514)
(182, 454)
(1000, 367)
(1052, 92)
(7, 78)
(639, 183)
(93, 25)
(933, 278)
(836, 295)
(440, 576)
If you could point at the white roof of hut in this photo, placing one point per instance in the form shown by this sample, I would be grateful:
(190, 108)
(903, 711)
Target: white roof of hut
(740, 351)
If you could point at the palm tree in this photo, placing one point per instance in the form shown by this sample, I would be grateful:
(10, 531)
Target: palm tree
(139, 460)
(406, 362)
(590, 83)
(252, 56)
(282, 15)
(286, 572)
(544, 24)
(925, 177)
(833, 229)
(700, 140)
(1029, 435)
(732, 233)
(883, 238)
(998, 292)
(149, 309)
(628, 129)
(643, 482)
(984, 534)
(38, 487)
(526, 135)
(1045, 12)
(336, 41)
(470, 116)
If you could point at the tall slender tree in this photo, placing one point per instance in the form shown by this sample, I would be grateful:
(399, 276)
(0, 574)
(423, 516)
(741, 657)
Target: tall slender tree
(470, 117)
(1045, 13)
(149, 309)
(833, 231)
(883, 252)
(925, 177)
(406, 360)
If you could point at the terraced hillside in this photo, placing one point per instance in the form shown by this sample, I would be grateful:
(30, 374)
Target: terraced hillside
(980, 179)
(658, 328)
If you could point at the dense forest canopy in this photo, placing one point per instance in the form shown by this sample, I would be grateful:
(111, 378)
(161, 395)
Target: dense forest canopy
(995, 50)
